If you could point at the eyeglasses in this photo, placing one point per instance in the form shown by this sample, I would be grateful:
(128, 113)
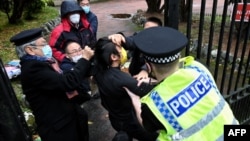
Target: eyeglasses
(37, 46)
(74, 51)
(84, 4)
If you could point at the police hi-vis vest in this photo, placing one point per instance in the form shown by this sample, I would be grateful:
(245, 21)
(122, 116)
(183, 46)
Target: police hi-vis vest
(189, 105)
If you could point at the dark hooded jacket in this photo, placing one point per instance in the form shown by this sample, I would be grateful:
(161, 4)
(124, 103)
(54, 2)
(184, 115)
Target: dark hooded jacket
(65, 31)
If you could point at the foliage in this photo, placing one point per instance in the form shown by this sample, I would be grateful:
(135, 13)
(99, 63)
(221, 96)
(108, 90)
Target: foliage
(16, 10)
(7, 51)
(34, 7)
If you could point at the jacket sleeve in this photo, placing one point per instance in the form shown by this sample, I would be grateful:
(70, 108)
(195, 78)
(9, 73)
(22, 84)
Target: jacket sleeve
(55, 43)
(131, 84)
(45, 78)
(129, 42)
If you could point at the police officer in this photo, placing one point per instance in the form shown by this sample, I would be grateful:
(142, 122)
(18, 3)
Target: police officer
(45, 87)
(186, 103)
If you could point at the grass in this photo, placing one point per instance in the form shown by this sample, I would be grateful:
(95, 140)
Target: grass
(7, 51)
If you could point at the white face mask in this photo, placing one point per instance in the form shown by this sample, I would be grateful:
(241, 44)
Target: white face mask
(75, 18)
(76, 58)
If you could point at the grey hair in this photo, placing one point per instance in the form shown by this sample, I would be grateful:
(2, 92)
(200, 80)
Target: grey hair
(20, 49)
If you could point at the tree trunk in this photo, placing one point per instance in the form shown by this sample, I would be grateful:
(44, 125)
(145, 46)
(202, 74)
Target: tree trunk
(184, 10)
(153, 6)
(17, 11)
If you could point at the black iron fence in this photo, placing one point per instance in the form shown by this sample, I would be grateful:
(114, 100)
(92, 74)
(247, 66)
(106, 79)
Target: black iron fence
(220, 40)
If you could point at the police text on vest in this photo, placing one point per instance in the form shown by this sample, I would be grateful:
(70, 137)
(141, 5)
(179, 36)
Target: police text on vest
(188, 97)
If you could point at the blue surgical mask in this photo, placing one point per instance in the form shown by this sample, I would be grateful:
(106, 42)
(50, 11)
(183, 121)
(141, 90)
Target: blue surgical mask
(47, 51)
(86, 9)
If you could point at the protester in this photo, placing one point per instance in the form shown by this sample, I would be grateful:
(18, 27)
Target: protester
(186, 103)
(110, 81)
(74, 26)
(72, 51)
(137, 67)
(46, 87)
(92, 18)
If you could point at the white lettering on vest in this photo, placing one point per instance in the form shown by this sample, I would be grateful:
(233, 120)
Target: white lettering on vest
(185, 99)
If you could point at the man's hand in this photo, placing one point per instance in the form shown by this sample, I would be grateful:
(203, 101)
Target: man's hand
(117, 39)
(141, 75)
(147, 80)
(87, 53)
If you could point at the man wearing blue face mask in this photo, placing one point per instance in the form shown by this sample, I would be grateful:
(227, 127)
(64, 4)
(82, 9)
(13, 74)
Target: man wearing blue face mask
(46, 87)
(92, 18)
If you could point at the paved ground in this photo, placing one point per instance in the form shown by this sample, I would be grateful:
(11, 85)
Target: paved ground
(109, 25)
(99, 125)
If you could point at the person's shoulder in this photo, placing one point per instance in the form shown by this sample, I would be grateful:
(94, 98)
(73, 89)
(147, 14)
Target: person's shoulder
(58, 28)
(92, 14)
(33, 65)
(66, 64)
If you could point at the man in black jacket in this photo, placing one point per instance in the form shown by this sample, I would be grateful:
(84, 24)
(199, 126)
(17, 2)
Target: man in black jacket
(110, 81)
(46, 87)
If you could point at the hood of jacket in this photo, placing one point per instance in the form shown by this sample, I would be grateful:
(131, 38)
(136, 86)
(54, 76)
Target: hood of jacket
(70, 7)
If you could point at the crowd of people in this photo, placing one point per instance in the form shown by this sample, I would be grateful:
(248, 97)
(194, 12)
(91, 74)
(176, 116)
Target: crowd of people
(163, 97)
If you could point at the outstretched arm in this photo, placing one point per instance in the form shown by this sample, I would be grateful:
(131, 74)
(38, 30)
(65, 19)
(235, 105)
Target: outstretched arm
(136, 103)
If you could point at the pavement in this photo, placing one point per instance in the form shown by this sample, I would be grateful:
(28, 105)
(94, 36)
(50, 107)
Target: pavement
(99, 125)
(109, 25)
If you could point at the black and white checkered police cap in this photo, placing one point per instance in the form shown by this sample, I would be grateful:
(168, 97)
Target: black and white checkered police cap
(160, 45)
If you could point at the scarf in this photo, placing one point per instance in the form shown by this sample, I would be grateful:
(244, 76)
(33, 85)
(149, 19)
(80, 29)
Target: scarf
(54, 64)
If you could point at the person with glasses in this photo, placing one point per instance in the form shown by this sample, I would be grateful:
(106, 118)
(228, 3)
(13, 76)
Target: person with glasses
(74, 26)
(47, 89)
(92, 18)
(73, 51)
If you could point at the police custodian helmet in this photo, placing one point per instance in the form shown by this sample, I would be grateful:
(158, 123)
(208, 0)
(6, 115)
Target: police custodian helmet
(160, 45)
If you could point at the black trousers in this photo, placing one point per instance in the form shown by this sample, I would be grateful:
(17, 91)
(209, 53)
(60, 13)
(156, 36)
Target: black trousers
(133, 128)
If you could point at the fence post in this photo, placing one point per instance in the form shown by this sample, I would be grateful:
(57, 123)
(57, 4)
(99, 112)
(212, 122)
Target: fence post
(171, 13)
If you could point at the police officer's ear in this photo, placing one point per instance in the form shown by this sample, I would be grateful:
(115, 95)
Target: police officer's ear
(149, 68)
